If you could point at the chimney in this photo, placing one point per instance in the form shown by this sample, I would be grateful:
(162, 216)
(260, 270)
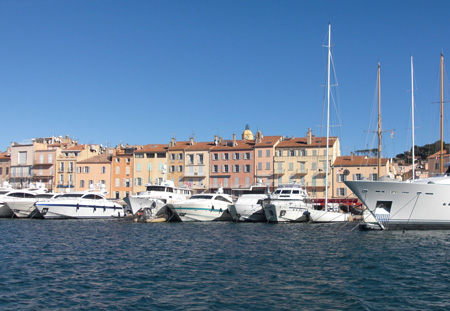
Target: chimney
(173, 142)
(191, 141)
(234, 140)
(259, 137)
(309, 137)
(215, 140)
(351, 156)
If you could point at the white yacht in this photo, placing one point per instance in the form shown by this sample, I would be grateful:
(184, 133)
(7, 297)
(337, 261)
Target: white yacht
(289, 203)
(249, 205)
(21, 202)
(83, 204)
(156, 196)
(204, 207)
(418, 204)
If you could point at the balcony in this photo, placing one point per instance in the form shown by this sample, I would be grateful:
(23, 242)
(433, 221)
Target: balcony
(279, 172)
(194, 174)
(300, 172)
(321, 173)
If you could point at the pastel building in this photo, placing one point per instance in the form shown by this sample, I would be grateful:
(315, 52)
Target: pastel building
(66, 163)
(123, 171)
(175, 165)
(264, 158)
(197, 161)
(303, 161)
(355, 168)
(232, 164)
(95, 172)
(5, 165)
(149, 161)
(22, 160)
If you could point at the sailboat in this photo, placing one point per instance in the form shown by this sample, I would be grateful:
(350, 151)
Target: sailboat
(327, 215)
(412, 204)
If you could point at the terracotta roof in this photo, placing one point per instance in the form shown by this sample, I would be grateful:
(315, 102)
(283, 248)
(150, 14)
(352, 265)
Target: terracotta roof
(302, 142)
(179, 146)
(268, 141)
(240, 144)
(152, 148)
(4, 156)
(358, 161)
(77, 147)
(201, 146)
(101, 158)
(437, 154)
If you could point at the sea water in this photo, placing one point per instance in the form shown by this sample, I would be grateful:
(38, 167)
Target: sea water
(122, 265)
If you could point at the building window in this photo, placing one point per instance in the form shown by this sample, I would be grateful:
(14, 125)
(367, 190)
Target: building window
(117, 184)
(117, 160)
(117, 170)
(247, 156)
(341, 177)
(236, 168)
(268, 153)
(259, 165)
(127, 170)
(267, 165)
(172, 157)
(357, 176)
(341, 192)
(259, 153)
(215, 168)
(61, 166)
(103, 171)
(247, 168)
(226, 156)
(22, 157)
(291, 166)
(215, 156)
(180, 168)
(373, 176)
(291, 153)
(138, 181)
(190, 158)
(200, 159)
(279, 153)
(139, 155)
(81, 183)
(236, 156)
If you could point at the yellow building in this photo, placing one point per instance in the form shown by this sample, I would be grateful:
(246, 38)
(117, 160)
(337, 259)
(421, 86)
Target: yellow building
(303, 161)
(355, 168)
(197, 163)
(66, 164)
(176, 161)
(149, 163)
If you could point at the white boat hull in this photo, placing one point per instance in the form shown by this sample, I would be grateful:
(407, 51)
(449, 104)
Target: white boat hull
(81, 210)
(23, 207)
(405, 205)
(322, 216)
(197, 212)
(279, 212)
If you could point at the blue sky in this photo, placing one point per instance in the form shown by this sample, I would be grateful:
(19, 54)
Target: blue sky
(139, 72)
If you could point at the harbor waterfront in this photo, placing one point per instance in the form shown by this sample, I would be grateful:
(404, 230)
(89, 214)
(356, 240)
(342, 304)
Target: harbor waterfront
(118, 264)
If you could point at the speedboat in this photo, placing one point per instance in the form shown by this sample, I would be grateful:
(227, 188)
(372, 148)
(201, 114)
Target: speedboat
(155, 197)
(80, 204)
(288, 203)
(204, 207)
(414, 204)
(21, 202)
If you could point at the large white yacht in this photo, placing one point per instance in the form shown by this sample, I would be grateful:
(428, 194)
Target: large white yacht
(21, 202)
(418, 204)
(249, 205)
(156, 196)
(80, 204)
(288, 203)
(204, 207)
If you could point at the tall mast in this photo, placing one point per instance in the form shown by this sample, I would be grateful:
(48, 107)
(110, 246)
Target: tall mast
(412, 118)
(328, 116)
(379, 122)
(441, 166)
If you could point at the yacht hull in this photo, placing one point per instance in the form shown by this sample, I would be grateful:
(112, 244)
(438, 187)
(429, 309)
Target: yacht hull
(78, 210)
(285, 213)
(200, 212)
(5, 211)
(405, 205)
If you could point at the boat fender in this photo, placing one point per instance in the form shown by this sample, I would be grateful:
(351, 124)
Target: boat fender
(78, 206)
(220, 210)
(212, 207)
(95, 208)
(104, 209)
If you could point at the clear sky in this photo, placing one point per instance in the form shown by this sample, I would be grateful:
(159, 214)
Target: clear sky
(140, 72)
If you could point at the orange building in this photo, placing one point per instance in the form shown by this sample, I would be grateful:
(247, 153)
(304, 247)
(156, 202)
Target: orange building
(5, 165)
(122, 171)
(149, 162)
(94, 172)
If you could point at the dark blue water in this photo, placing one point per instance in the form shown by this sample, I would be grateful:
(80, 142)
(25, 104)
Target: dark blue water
(121, 265)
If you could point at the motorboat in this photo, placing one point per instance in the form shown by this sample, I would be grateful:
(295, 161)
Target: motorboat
(413, 204)
(288, 203)
(80, 204)
(21, 202)
(155, 197)
(204, 207)
(249, 205)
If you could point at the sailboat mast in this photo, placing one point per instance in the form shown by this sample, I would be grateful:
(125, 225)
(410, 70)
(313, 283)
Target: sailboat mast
(441, 166)
(328, 116)
(379, 122)
(412, 118)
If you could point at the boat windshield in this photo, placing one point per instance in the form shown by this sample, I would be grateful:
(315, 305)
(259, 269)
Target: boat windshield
(201, 196)
(72, 195)
(3, 192)
(159, 188)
